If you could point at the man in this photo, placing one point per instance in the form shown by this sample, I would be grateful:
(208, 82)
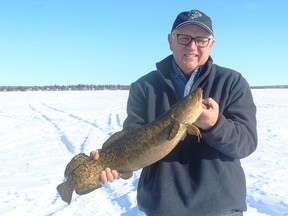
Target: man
(203, 178)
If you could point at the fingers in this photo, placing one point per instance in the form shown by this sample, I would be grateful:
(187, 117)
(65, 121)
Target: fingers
(116, 175)
(209, 115)
(94, 154)
(108, 175)
(209, 103)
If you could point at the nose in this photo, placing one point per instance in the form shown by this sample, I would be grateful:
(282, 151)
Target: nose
(191, 45)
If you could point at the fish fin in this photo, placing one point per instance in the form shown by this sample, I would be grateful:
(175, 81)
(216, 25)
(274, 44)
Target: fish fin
(65, 191)
(75, 162)
(174, 130)
(193, 130)
(113, 138)
(126, 175)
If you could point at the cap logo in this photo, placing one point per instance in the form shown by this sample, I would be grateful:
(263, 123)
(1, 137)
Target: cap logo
(194, 14)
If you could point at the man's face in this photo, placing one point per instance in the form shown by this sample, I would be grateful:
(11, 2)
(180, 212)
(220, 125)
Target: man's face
(189, 57)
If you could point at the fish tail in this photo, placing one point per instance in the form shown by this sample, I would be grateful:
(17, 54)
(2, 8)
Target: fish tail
(65, 191)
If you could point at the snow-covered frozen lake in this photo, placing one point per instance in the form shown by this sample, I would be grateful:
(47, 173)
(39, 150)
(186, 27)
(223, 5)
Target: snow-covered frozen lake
(41, 131)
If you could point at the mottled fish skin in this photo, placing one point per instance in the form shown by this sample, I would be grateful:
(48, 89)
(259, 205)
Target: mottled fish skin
(128, 151)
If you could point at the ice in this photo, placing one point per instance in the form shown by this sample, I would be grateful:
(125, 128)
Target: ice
(41, 131)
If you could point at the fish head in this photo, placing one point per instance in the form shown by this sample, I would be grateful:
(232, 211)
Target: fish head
(189, 108)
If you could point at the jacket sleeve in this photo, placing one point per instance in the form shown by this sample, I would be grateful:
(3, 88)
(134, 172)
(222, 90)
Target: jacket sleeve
(136, 104)
(235, 133)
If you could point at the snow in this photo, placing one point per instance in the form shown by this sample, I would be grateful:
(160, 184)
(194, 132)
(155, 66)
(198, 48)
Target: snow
(41, 131)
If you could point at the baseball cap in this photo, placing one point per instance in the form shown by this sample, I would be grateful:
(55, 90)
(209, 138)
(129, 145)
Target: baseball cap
(193, 17)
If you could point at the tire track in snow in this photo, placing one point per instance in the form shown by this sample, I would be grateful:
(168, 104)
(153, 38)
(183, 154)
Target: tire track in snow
(84, 143)
(59, 208)
(118, 120)
(109, 122)
(69, 146)
(94, 124)
(122, 198)
(114, 123)
(127, 201)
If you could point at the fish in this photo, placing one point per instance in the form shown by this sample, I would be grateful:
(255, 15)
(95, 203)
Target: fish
(129, 150)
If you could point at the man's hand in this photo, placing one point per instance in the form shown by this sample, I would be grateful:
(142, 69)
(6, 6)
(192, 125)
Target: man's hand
(209, 116)
(106, 175)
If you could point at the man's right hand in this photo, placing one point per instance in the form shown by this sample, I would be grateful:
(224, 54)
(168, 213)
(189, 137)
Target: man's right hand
(106, 175)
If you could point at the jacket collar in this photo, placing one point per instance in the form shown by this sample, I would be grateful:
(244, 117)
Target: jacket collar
(165, 66)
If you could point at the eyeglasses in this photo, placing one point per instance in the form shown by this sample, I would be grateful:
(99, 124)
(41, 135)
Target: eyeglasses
(187, 39)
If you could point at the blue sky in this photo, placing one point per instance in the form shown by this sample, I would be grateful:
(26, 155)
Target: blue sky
(47, 42)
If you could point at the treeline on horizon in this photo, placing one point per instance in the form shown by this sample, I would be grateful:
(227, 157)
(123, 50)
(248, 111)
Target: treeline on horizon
(82, 87)
(79, 87)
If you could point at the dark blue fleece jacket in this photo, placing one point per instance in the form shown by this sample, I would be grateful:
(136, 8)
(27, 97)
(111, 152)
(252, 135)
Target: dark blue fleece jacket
(203, 178)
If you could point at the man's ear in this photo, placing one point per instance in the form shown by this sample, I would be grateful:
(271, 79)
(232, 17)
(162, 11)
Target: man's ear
(170, 41)
(212, 42)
